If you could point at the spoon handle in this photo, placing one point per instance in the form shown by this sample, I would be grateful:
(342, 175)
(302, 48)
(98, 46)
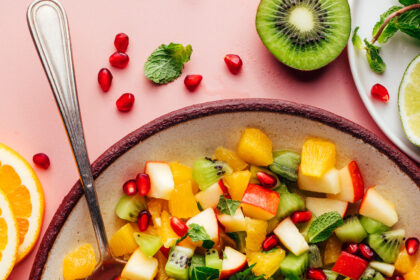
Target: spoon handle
(49, 28)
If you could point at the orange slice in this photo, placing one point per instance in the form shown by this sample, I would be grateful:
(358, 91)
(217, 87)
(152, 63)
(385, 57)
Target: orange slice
(79, 263)
(24, 192)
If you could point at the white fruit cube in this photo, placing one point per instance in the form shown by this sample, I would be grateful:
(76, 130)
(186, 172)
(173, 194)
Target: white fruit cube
(209, 198)
(328, 183)
(233, 223)
(161, 179)
(233, 261)
(384, 268)
(207, 219)
(140, 267)
(375, 206)
(290, 236)
(319, 206)
(351, 182)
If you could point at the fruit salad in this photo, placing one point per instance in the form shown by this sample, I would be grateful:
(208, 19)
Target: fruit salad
(255, 213)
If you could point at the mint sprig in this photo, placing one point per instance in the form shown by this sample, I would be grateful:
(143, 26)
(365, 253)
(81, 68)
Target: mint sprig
(204, 273)
(247, 274)
(228, 206)
(198, 233)
(323, 226)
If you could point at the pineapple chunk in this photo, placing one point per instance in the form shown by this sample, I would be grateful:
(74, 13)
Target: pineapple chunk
(231, 158)
(237, 183)
(404, 263)
(266, 263)
(140, 267)
(123, 242)
(318, 156)
(182, 174)
(255, 147)
(182, 203)
(256, 230)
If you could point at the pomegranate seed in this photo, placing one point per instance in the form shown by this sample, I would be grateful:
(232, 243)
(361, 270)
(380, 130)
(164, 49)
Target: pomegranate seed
(130, 187)
(352, 248)
(104, 79)
(165, 251)
(192, 81)
(316, 274)
(412, 245)
(224, 189)
(397, 277)
(234, 63)
(41, 160)
(366, 251)
(119, 60)
(143, 220)
(379, 92)
(125, 102)
(179, 226)
(266, 180)
(117, 278)
(121, 42)
(270, 242)
(143, 183)
(301, 217)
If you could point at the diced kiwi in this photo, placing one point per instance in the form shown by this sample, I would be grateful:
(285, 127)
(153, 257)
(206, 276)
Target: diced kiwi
(289, 203)
(177, 264)
(281, 189)
(148, 243)
(331, 275)
(378, 276)
(196, 261)
(368, 274)
(294, 266)
(373, 226)
(304, 34)
(129, 207)
(254, 180)
(239, 238)
(387, 244)
(286, 164)
(351, 231)
(315, 259)
(207, 171)
(212, 259)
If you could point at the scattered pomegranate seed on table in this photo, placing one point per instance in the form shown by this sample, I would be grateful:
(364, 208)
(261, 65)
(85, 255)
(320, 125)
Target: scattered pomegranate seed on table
(412, 245)
(301, 217)
(121, 42)
(130, 187)
(266, 180)
(234, 63)
(379, 92)
(316, 274)
(270, 242)
(125, 102)
(352, 248)
(179, 226)
(143, 183)
(105, 79)
(143, 220)
(192, 81)
(41, 160)
(366, 251)
(119, 60)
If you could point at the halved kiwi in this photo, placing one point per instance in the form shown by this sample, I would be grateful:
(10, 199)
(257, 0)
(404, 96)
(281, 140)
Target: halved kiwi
(304, 34)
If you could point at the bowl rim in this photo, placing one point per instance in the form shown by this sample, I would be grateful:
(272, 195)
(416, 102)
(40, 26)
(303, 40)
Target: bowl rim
(197, 111)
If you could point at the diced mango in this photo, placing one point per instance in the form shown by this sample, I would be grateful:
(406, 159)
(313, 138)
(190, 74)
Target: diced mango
(169, 237)
(183, 173)
(256, 230)
(318, 156)
(182, 203)
(237, 183)
(413, 274)
(404, 263)
(231, 158)
(266, 263)
(123, 242)
(255, 147)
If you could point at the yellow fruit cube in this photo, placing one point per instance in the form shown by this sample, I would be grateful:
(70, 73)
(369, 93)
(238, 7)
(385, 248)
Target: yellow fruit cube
(414, 274)
(123, 242)
(255, 147)
(155, 207)
(256, 231)
(182, 173)
(266, 263)
(182, 203)
(404, 263)
(332, 250)
(237, 183)
(231, 158)
(318, 156)
(79, 263)
(169, 237)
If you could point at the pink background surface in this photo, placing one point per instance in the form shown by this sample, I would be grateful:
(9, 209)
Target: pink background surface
(29, 119)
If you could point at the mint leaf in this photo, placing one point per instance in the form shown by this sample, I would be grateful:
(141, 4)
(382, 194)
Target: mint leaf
(204, 273)
(409, 2)
(409, 23)
(228, 206)
(355, 39)
(208, 244)
(323, 227)
(198, 233)
(247, 274)
(165, 64)
(390, 28)
(374, 59)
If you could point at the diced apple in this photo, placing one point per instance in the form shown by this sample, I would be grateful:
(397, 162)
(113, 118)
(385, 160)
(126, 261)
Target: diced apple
(161, 179)
(327, 183)
(140, 267)
(207, 219)
(290, 236)
(209, 198)
(260, 203)
(384, 268)
(375, 206)
(319, 206)
(233, 261)
(232, 223)
(350, 265)
(351, 182)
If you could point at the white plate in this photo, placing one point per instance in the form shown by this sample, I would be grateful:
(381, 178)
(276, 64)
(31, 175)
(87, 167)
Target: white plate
(397, 54)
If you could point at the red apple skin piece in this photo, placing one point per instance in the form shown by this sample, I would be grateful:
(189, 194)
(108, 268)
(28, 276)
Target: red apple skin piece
(240, 262)
(357, 180)
(350, 265)
(259, 197)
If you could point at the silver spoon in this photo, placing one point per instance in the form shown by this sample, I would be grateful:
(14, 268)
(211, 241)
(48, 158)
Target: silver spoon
(48, 25)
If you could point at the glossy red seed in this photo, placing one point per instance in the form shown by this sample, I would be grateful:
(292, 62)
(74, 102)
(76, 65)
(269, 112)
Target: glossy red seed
(105, 79)
(366, 251)
(165, 251)
(119, 60)
(143, 183)
(379, 92)
(121, 42)
(179, 226)
(192, 81)
(412, 245)
(270, 242)
(41, 160)
(130, 187)
(266, 180)
(397, 277)
(352, 248)
(301, 217)
(125, 102)
(234, 63)
(143, 220)
(316, 274)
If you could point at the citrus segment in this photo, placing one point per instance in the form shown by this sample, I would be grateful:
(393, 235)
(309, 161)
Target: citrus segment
(79, 263)
(237, 183)
(169, 237)
(231, 158)
(255, 147)
(182, 173)
(182, 203)
(123, 242)
(266, 263)
(256, 231)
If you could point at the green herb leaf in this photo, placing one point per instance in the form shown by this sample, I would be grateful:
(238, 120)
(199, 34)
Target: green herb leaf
(198, 233)
(204, 273)
(208, 244)
(390, 28)
(247, 274)
(323, 227)
(165, 64)
(374, 59)
(355, 39)
(409, 23)
(228, 206)
(409, 2)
